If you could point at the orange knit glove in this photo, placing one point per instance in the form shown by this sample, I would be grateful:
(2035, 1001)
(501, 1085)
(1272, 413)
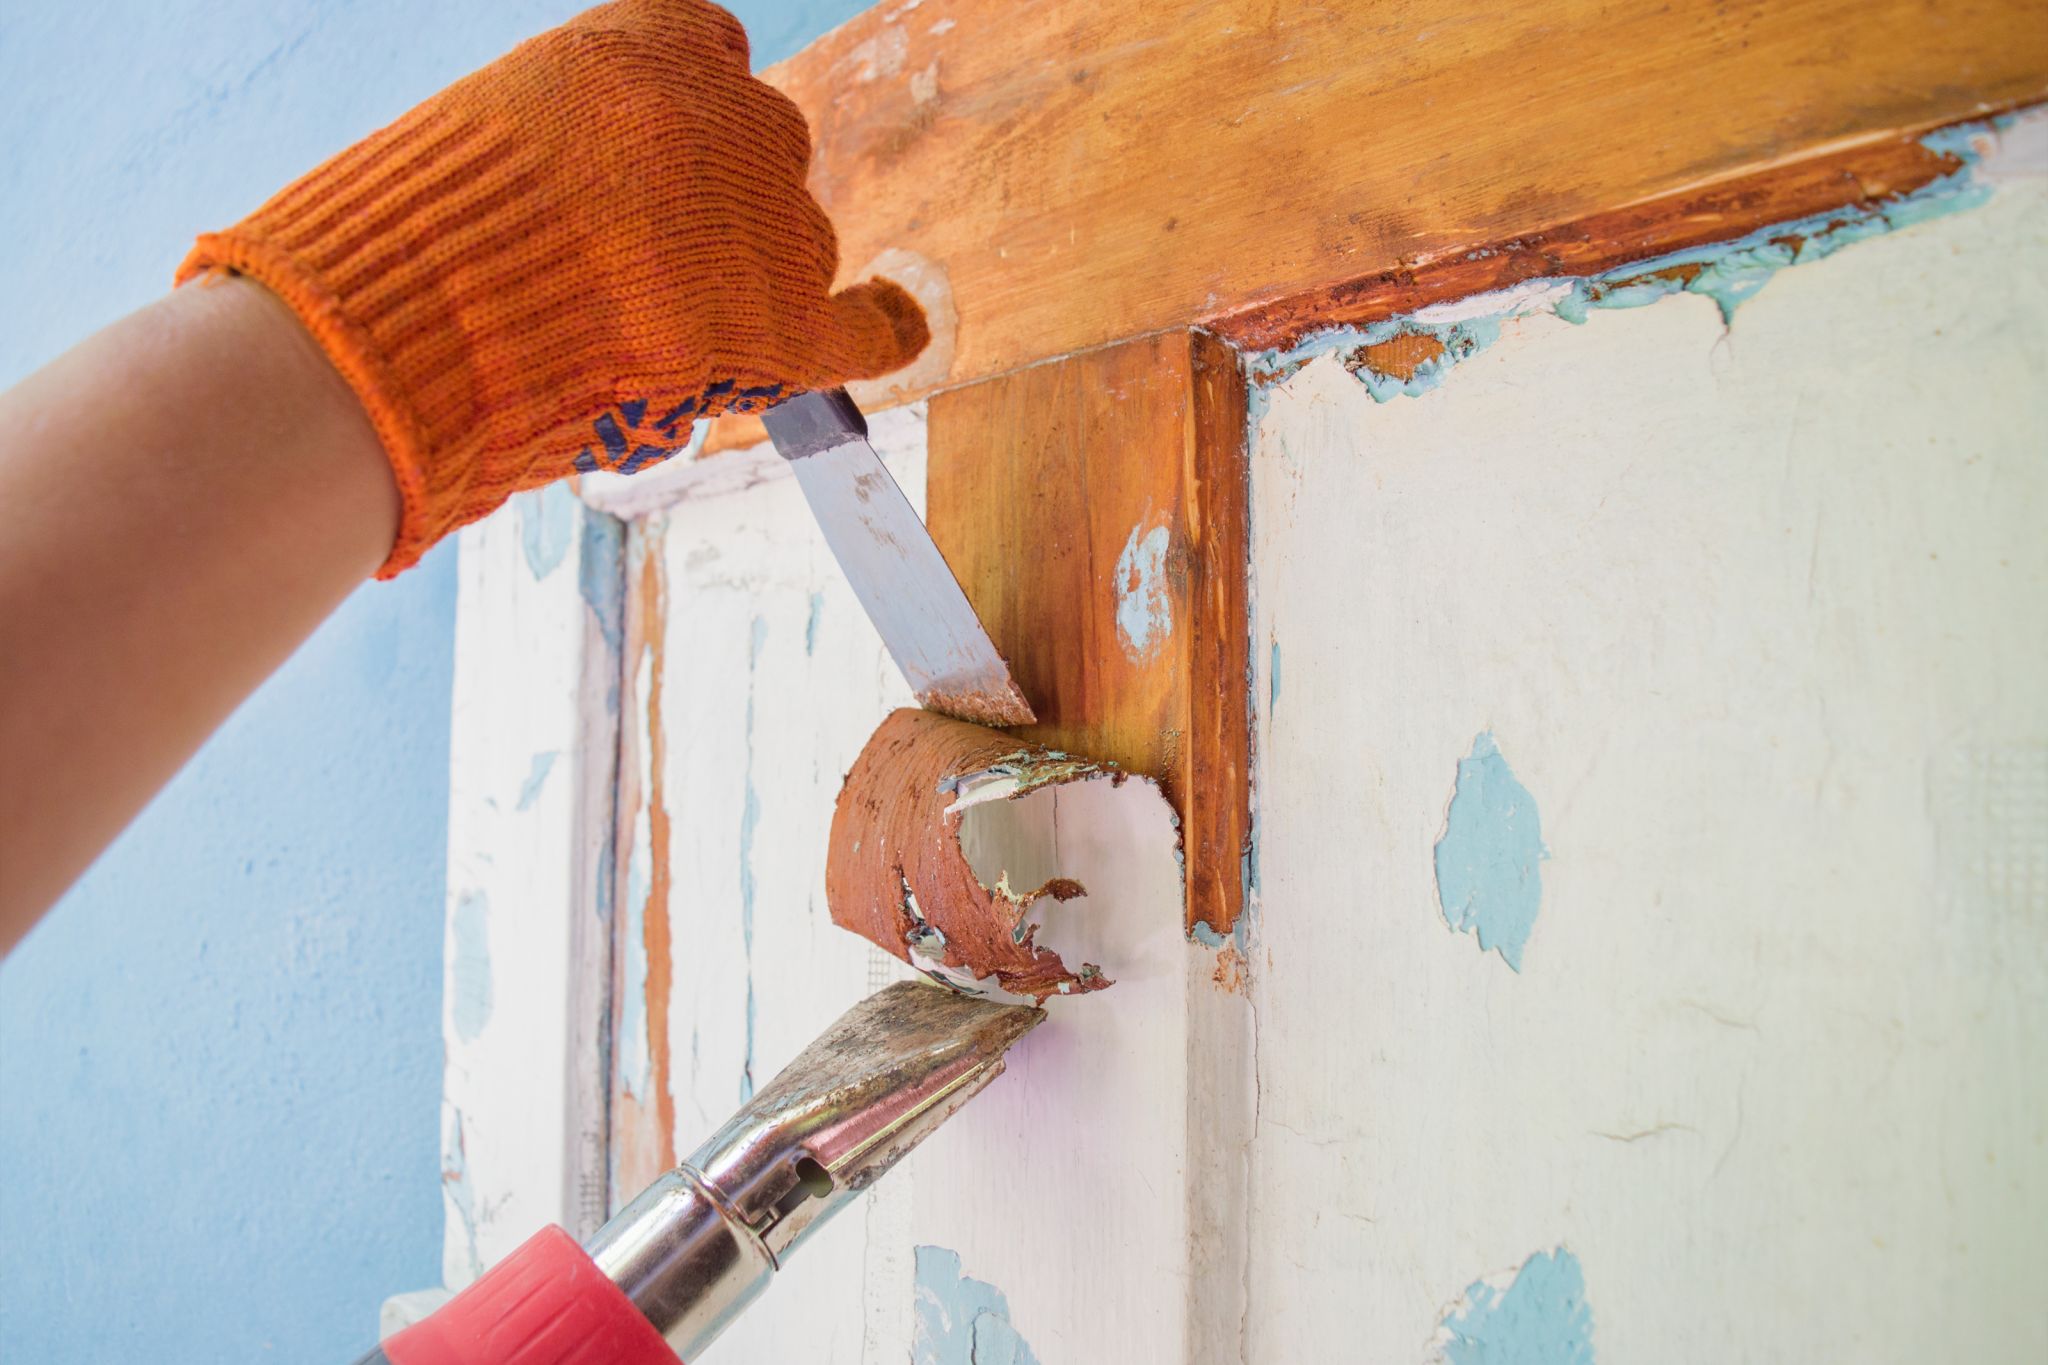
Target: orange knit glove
(558, 262)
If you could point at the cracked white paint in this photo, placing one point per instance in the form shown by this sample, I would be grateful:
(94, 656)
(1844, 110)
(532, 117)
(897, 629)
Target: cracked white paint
(525, 947)
(1756, 611)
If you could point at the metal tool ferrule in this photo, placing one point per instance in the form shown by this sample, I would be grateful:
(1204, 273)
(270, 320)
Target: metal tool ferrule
(686, 1259)
(812, 422)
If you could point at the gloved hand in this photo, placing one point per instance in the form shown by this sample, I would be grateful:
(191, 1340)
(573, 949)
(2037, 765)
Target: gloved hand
(558, 262)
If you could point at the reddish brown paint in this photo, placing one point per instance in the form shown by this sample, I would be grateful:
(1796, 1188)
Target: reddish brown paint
(1233, 972)
(895, 866)
(655, 923)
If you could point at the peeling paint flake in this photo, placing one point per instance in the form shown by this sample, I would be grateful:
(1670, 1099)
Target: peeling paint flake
(1409, 354)
(817, 610)
(1540, 1318)
(898, 874)
(537, 771)
(1144, 608)
(470, 1005)
(547, 518)
(961, 1321)
(1487, 880)
(601, 582)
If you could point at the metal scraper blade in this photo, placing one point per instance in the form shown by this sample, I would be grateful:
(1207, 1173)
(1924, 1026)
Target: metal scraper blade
(897, 572)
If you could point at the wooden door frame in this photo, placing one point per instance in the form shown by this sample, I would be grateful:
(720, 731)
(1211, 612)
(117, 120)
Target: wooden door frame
(1378, 173)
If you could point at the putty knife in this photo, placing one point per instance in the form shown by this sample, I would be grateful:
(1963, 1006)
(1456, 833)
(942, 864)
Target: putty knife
(896, 571)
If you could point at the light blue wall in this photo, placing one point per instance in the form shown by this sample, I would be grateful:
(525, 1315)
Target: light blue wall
(220, 1055)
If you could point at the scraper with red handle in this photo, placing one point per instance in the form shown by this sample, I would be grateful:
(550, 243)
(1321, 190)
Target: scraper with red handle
(897, 572)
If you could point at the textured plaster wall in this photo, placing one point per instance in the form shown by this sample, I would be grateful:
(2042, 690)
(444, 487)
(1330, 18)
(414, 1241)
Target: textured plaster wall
(220, 1055)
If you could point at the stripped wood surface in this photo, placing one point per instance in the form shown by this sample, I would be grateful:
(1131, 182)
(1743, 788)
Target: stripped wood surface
(1094, 511)
(1081, 171)
(1807, 181)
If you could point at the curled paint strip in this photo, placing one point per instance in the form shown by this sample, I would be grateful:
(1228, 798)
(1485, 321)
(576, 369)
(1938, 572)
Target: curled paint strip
(897, 875)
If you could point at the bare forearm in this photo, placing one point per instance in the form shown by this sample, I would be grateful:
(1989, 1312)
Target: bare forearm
(183, 498)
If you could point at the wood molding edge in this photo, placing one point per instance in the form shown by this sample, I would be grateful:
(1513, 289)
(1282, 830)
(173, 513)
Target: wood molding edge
(1094, 509)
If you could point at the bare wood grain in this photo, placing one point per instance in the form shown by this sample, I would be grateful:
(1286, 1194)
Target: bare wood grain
(1038, 482)
(1089, 170)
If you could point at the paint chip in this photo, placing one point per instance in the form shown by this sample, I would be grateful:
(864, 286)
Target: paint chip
(470, 979)
(899, 874)
(1144, 608)
(1540, 1318)
(961, 1321)
(537, 771)
(1487, 880)
(547, 518)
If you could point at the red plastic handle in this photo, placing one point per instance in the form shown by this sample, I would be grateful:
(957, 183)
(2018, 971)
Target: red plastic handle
(545, 1304)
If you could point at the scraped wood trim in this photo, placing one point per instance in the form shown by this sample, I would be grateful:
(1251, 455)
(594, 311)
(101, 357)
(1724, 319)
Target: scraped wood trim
(1863, 175)
(1079, 171)
(1094, 509)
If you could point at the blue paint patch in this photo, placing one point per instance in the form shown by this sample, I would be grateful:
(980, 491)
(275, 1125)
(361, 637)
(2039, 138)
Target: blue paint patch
(1273, 681)
(471, 975)
(1962, 141)
(547, 518)
(536, 777)
(750, 817)
(601, 581)
(811, 624)
(1540, 1319)
(1144, 611)
(1487, 881)
(1730, 273)
(961, 1321)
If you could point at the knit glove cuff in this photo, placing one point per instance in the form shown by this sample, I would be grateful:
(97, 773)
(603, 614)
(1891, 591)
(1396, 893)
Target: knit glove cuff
(560, 261)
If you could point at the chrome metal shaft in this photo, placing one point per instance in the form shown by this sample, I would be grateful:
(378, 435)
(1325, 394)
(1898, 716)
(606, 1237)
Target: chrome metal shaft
(703, 1241)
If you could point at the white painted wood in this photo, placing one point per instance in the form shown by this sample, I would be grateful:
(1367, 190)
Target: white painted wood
(532, 751)
(1756, 616)
(773, 680)
(1099, 1183)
